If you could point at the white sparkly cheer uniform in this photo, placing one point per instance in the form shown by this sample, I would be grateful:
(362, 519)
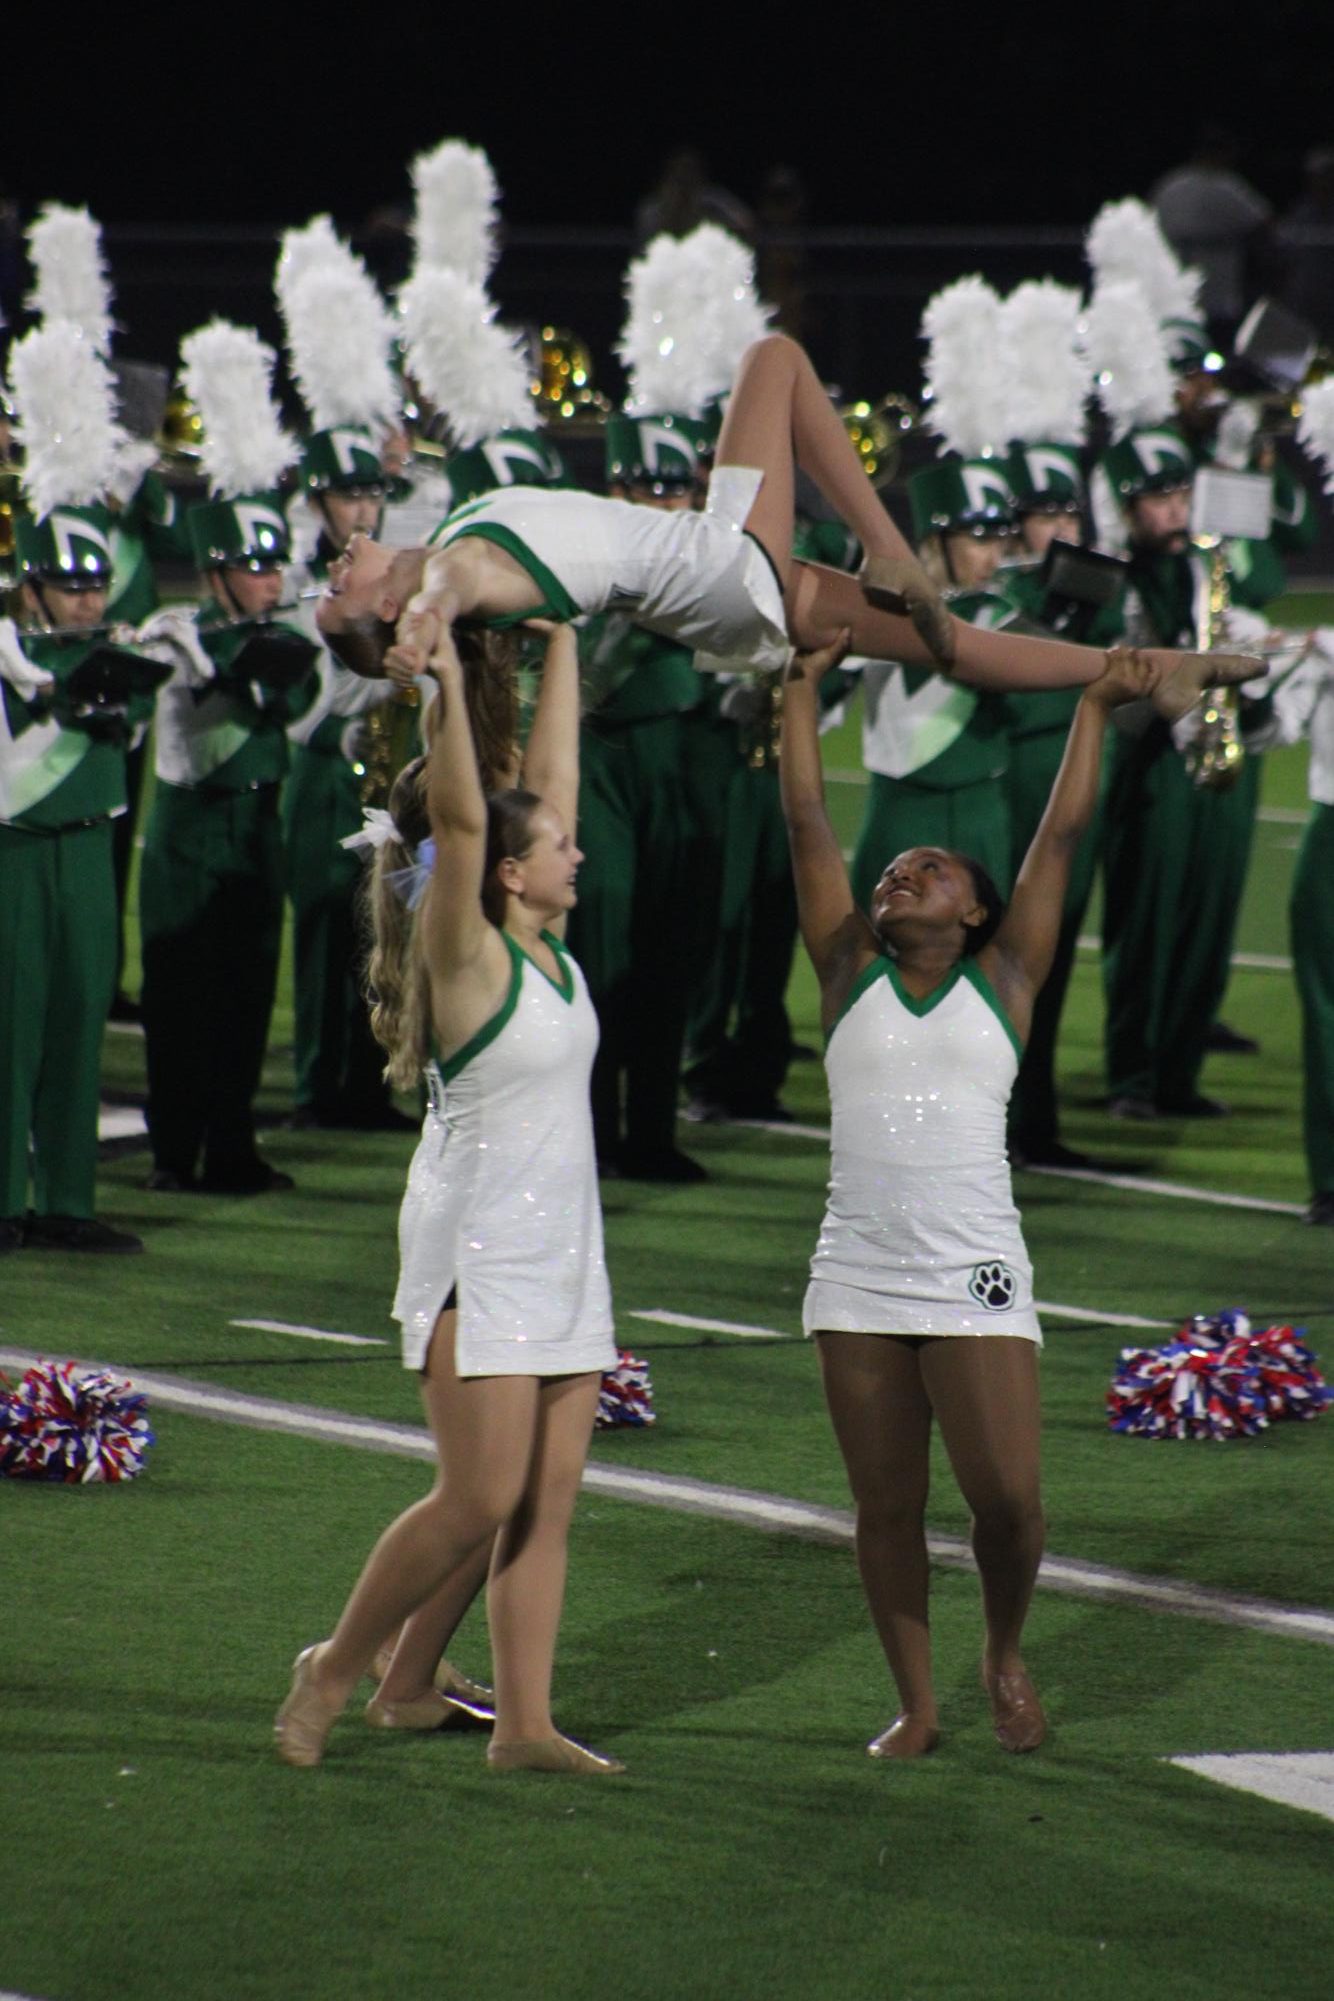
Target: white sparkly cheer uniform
(921, 1235)
(696, 578)
(502, 1195)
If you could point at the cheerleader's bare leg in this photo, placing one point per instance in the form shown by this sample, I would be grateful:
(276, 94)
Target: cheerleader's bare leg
(820, 603)
(882, 1419)
(984, 1393)
(525, 1593)
(779, 415)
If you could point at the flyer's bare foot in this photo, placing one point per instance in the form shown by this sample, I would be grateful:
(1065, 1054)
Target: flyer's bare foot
(1185, 676)
(900, 585)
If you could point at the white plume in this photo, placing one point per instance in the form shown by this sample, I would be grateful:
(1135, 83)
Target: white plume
(339, 338)
(1315, 427)
(964, 368)
(70, 276)
(1046, 377)
(457, 207)
(226, 371)
(473, 371)
(66, 403)
(1126, 242)
(692, 311)
(315, 247)
(1127, 356)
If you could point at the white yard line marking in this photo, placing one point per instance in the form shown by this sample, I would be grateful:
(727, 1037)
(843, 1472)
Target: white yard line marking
(748, 1333)
(1303, 1779)
(1097, 1318)
(1139, 1184)
(119, 1122)
(312, 1333)
(733, 1504)
(789, 1126)
(1133, 1184)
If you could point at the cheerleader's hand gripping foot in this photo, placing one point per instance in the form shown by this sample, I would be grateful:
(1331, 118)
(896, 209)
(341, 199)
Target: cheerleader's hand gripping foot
(900, 585)
(906, 1737)
(1185, 676)
(550, 1754)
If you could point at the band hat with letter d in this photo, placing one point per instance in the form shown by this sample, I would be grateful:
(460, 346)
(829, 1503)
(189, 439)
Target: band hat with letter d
(226, 372)
(514, 456)
(1046, 389)
(343, 459)
(967, 490)
(662, 453)
(70, 547)
(64, 402)
(967, 496)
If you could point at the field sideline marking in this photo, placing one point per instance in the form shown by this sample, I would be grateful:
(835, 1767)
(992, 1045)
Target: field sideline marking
(1135, 1184)
(310, 1334)
(1302, 1779)
(1068, 1575)
(668, 1319)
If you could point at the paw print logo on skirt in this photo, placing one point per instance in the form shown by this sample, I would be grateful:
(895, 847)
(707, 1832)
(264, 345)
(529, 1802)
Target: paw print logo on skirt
(992, 1285)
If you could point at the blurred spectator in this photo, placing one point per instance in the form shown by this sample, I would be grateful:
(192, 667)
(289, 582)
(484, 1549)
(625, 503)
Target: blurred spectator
(1216, 220)
(685, 197)
(11, 262)
(1308, 243)
(780, 266)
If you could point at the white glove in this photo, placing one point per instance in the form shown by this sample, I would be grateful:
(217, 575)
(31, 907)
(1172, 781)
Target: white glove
(23, 676)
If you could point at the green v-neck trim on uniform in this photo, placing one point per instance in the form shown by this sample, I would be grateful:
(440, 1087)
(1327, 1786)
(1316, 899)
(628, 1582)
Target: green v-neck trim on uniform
(885, 969)
(489, 1030)
(928, 1001)
(564, 986)
(866, 978)
(556, 600)
(973, 973)
(967, 969)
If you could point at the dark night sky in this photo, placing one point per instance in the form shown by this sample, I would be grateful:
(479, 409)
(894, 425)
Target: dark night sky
(887, 118)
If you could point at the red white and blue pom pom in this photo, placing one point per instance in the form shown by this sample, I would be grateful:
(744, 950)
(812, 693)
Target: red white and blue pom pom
(626, 1396)
(1216, 1379)
(79, 1428)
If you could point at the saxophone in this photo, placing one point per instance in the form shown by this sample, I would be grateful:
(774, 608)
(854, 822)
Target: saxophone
(1214, 758)
(390, 733)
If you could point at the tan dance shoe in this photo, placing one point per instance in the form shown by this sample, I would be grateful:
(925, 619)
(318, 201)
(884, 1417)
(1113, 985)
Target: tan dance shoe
(1016, 1713)
(549, 1754)
(1189, 674)
(900, 585)
(447, 1678)
(905, 1738)
(425, 1712)
(451, 1681)
(302, 1725)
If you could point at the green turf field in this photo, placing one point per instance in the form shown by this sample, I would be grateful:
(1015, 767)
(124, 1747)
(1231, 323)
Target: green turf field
(157, 1850)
